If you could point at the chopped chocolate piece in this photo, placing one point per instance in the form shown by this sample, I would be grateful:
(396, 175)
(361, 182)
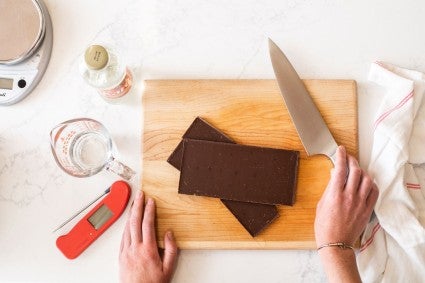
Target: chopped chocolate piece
(254, 217)
(198, 130)
(238, 172)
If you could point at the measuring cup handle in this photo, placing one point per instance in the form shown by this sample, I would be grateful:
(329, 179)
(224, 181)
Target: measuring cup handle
(120, 169)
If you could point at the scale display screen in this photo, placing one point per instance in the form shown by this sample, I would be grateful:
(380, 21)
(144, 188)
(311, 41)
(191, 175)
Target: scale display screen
(6, 83)
(100, 217)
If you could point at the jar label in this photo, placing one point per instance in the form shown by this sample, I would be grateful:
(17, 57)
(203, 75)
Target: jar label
(121, 89)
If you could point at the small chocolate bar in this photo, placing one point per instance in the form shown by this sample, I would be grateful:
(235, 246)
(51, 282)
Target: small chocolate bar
(238, 172)
(198, 130)
(254, 217)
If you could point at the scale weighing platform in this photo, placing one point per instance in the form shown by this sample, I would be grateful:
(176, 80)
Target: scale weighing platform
(26, 38)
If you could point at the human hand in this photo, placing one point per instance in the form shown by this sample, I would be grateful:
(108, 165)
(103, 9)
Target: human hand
(139, 258)
(347, 203)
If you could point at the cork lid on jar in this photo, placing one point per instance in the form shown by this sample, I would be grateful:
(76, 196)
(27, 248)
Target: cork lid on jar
(96, 57)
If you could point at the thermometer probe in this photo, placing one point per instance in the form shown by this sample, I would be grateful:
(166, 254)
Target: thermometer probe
(81, 210)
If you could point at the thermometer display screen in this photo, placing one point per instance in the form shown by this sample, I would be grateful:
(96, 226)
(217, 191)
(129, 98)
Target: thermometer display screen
(6, 83)
(100, 217)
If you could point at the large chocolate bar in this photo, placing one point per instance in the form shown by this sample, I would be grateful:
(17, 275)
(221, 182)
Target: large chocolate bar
(238, 172)
(254, 217)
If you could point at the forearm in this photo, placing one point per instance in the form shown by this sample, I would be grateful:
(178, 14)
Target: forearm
(339, 264)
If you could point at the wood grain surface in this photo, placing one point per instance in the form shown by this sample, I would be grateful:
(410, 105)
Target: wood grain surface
(251, 112)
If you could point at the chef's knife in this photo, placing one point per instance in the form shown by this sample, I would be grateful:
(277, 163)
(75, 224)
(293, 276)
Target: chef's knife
(312, 129)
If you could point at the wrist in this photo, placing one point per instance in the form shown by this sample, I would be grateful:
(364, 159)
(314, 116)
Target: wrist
(340, 245)
(336, 254)
(336, 250)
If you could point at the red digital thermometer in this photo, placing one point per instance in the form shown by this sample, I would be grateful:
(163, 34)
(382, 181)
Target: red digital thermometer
(103, 215)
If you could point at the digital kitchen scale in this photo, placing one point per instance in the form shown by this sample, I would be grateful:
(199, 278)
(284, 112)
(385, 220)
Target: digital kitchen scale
(26, 38)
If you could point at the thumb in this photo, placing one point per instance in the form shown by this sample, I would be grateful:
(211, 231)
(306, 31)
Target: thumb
(170, 254)
(339, 172)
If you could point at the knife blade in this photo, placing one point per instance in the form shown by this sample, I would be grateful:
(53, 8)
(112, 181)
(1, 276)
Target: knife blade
(311, 128)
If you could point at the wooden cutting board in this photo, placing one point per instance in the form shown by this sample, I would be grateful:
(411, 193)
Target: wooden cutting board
(251, 112)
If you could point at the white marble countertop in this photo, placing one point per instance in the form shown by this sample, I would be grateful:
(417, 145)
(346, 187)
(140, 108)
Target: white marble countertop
(177, 39)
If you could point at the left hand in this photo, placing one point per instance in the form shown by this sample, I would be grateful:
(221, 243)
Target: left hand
(139, 257)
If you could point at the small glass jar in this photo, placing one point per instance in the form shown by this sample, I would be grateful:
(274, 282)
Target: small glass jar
(100, 67)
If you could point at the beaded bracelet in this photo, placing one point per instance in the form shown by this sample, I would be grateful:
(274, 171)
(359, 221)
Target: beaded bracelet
(343, 246)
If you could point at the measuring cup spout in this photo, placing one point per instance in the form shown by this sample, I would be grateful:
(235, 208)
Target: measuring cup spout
(55, 133)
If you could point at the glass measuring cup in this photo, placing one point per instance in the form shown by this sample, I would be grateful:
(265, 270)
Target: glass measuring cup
(83, 147)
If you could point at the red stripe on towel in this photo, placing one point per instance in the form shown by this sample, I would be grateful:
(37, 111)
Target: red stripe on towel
(370, 240)
(398, 106)
(413, 186)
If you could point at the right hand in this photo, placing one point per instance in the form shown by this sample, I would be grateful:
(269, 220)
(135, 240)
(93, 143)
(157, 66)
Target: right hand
(347, 203)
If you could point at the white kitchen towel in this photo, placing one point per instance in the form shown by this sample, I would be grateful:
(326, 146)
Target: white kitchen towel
(393, 245)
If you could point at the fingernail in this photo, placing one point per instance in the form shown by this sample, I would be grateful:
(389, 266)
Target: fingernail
(150, 201)
(139, 194)
(170, 235)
